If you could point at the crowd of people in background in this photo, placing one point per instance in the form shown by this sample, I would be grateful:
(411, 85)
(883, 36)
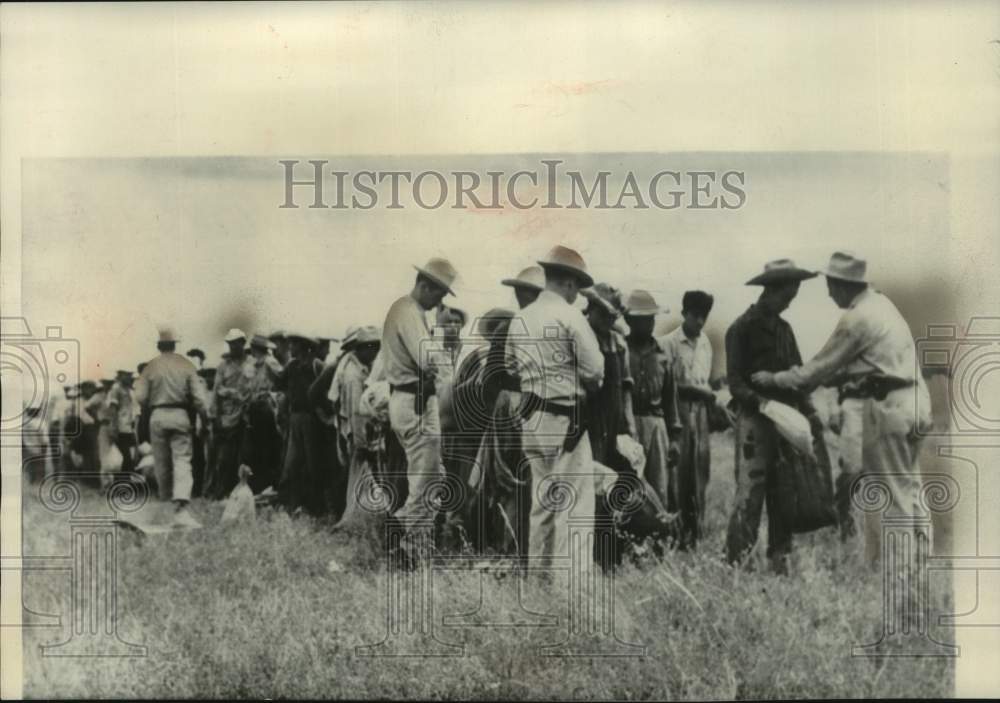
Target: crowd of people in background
(517, 408)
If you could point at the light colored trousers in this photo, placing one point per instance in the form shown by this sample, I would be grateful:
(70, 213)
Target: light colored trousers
(420, 437)
(890, 449)
(562, 495)
(170, 436)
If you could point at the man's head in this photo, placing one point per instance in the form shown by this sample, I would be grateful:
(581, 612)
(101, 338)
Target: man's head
(604, 307)
(301, 347)
(451, 320)
(640, 314)
(259, 346)
(845, 277)
(695, 307)
(367, 341)
(139, 369)
(87, 389)
(167, 341)
(125, 378)
(434, 281)
(237, 341)
(323, 349)
(844, 292)
(565, 273)
(527, 286)
(778, 296)
(781, 279)
(427, 292)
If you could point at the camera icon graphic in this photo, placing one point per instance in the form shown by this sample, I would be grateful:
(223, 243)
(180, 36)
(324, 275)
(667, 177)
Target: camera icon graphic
(40, 366)
(510, 361)
(971, 365)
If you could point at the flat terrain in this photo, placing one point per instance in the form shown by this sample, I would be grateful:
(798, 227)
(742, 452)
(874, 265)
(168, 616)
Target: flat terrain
(258, 611)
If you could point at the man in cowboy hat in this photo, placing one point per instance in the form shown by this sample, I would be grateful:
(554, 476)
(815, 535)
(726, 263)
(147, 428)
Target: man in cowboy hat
(654, 393)
(413, 404)
(690, 353)
(871, 355)
(122, 412)
(301, 483)
(761, 340)
(528, 284)
(230, 396)
(557, 363)
(169, 387)
(261, 445)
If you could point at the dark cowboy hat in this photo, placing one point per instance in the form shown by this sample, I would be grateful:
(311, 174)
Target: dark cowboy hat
(780, 271)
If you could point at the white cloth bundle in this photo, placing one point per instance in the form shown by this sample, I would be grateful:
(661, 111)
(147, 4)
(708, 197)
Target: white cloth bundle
(791, 424)
(240, 505)
(632, 450)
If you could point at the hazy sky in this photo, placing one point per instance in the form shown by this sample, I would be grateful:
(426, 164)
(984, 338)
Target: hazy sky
(114, 247)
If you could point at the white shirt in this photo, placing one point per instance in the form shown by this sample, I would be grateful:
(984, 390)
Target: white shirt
(555, 353)
(691, 358)
(871, 337)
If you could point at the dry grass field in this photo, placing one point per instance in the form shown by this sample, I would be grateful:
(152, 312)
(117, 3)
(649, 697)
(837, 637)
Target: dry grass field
(255, 612)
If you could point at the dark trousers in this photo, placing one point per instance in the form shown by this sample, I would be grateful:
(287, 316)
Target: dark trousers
(125, 441)
(227, 461)
(301, 483)
(756, 461)
(262, 448)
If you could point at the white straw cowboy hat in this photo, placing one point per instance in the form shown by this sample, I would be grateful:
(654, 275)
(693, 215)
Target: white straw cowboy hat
(846, 266)
(350, 337)
(167, 334)
(235, 334)
(640, 303)
(369, 334)
(441, 272)
(565, 259)
(779, 271)
(532, 278)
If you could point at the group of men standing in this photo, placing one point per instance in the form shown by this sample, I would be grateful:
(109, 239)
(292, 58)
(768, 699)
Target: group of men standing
(531, 423)
(569, 383)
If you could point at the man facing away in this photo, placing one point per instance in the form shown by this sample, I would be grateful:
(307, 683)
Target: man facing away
(169, 387)
(557, 363)
(413, 404)
(761, 340)
(690, 352)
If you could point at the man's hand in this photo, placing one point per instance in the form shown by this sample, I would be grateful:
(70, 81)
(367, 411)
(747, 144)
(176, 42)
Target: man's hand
(764, 379)
(673, 453)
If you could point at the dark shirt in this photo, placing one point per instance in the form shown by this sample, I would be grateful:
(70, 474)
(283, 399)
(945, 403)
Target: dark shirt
(655, 390)
(759, 341)
(606, 408)
(295, 380)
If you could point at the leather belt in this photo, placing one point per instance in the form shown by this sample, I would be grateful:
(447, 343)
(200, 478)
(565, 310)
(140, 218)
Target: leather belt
(874, 386)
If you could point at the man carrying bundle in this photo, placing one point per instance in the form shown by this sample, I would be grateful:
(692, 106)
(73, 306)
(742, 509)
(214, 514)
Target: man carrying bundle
(760, 340)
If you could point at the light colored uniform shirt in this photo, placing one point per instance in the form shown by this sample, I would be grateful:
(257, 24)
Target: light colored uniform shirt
(231, 391)
(871, 337)
(122, 408)
(406, 342)
(170, 379)
(691, 358)
(264, 374)
(559, 355)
